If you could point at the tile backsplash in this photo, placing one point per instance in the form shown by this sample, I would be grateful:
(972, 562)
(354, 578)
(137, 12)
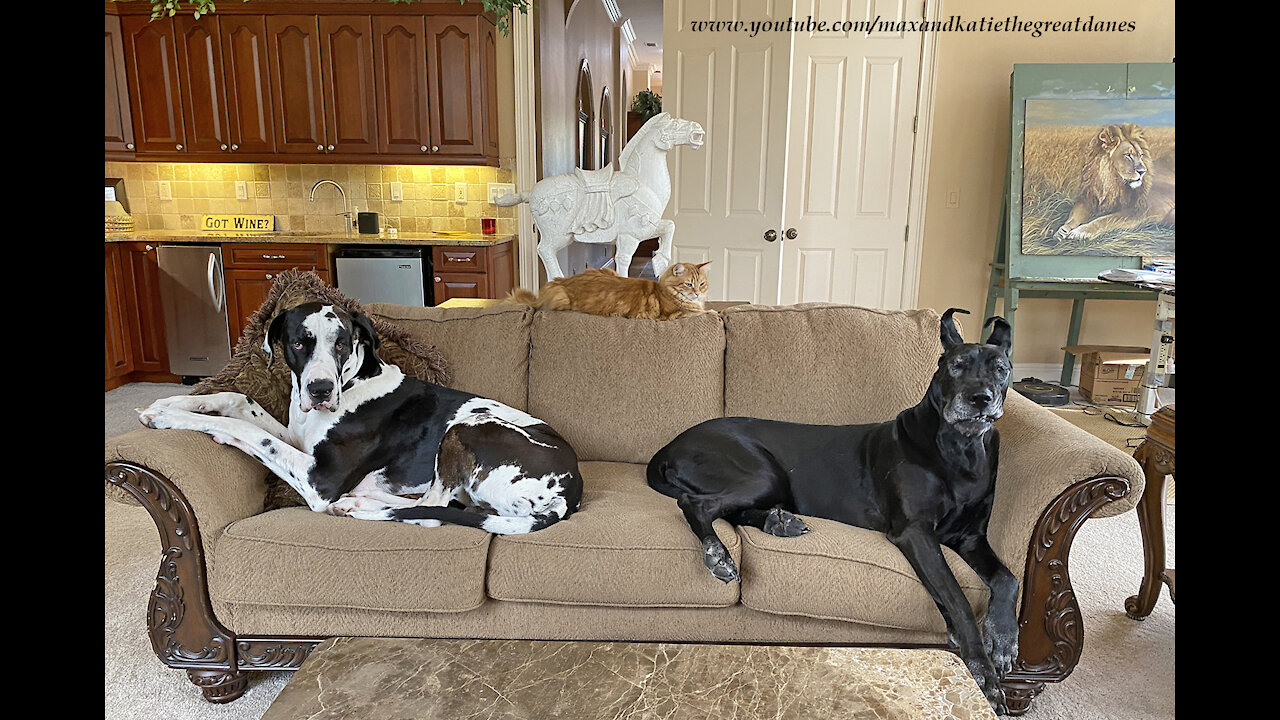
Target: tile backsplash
(282, 190)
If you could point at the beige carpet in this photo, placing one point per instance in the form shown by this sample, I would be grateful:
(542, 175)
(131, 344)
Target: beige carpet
(1126, 672)
(1113, 424)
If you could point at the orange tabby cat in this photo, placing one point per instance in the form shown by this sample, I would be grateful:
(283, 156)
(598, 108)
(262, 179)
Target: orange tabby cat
(680, 291)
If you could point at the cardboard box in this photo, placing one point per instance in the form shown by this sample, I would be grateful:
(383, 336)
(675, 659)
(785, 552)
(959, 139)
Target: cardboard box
(1111, 373)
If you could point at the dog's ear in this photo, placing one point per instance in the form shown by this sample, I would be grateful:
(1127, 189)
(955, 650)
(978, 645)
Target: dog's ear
(950, 335)
(1001, 334)
(273, 334)
(364, 327)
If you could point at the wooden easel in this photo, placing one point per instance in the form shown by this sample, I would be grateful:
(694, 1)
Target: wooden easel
(1015, 276)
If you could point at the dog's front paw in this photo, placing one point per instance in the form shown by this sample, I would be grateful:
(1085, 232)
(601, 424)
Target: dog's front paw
(781, 523)
(718, 561)
(1000, 640)
(990, 685)
(156, 416)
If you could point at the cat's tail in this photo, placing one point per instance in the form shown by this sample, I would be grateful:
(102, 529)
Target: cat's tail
(521, 296)
(512, 199)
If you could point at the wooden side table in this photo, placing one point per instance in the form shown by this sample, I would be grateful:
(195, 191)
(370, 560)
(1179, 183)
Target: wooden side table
(1155, 455)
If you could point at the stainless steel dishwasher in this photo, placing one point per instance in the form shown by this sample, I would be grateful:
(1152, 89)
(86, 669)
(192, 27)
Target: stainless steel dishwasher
(392, 274)
(193, 299)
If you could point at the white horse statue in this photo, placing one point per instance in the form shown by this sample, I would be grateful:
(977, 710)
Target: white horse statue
(623, 207)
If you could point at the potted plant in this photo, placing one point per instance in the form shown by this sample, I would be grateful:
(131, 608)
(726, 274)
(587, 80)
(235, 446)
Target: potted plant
(647, 103)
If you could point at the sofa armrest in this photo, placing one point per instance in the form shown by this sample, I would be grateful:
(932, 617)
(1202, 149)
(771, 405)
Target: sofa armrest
(220, 483)
(1041, 456)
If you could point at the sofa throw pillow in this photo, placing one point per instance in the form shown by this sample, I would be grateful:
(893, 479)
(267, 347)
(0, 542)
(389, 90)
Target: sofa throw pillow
(269, 384)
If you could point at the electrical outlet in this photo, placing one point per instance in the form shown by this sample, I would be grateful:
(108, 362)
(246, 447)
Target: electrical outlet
(460, 193)
(242, 190)
(953, 198)
(397, 191)
(497, 190)
(166, 192)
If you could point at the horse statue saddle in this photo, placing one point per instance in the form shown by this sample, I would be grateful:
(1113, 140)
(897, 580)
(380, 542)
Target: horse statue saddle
(600, 191)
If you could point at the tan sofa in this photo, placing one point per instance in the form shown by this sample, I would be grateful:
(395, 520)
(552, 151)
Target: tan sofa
(241, 590)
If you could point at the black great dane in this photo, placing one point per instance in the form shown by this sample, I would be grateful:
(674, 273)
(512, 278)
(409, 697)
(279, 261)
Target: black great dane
(362, 436)
(925, 479)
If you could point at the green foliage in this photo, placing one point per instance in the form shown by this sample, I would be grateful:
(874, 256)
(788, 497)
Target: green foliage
(647, 103)
(502, 9)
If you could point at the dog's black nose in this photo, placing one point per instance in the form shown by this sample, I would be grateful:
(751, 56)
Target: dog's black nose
(980, 399)
(320, 389)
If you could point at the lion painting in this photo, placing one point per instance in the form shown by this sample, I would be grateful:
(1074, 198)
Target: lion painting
(1118, 189)
(1098, 177)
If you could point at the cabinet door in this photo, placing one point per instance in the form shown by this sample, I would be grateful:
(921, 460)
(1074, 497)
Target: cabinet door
(297, 96)
(459, 285)
(119, 134)
(118, 350)
(144, 308)
(151, 65)
(489, 68)
(246, 291)
(204, 99)
(400, 72)
(453, 78)
(350, 108)
(246, 74)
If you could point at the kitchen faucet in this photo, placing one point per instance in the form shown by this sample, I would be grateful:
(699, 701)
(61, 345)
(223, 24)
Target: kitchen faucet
(346, 210)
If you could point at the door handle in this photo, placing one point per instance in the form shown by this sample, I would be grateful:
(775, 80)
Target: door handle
(215, 293)
(770, 235)
(790, 234)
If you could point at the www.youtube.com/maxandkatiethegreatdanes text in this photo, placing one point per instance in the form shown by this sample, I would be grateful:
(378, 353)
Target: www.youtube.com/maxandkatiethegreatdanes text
(955, 23)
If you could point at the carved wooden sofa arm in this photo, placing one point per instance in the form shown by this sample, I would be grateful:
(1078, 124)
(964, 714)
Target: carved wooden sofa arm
(178, 475)
(1052, 477)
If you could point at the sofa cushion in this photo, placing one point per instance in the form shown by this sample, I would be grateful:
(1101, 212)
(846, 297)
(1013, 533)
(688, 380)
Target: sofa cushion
(298, 558)
(619, 389)
(627, 546)
(841, 572)
(487, 348)
(827, 364)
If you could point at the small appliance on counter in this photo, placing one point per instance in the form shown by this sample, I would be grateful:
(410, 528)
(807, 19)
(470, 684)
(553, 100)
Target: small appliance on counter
(118, 217)
(367, 223)
(390, 274)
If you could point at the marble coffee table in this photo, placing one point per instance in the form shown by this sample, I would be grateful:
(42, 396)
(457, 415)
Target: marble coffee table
(415, 679)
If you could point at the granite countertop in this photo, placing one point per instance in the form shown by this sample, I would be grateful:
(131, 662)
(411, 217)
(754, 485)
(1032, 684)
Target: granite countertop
(404, 238)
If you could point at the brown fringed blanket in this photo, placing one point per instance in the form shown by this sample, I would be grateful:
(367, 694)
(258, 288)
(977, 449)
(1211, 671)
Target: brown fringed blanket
(269, 384)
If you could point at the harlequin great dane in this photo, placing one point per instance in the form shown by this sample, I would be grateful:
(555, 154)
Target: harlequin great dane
(925, 479)
(362, 435)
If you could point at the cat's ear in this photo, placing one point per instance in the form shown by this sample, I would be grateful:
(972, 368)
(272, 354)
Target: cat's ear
(701, 265)
(677, 269)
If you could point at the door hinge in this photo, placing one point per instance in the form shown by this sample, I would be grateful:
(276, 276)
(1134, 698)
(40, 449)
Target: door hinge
(915, 123)
(924, 11)
(906, 234)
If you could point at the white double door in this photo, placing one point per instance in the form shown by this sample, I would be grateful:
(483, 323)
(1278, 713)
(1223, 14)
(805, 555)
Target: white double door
(809, 142)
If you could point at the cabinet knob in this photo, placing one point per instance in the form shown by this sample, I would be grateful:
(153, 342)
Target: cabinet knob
(150, 248)
(424, 148)
(320, 148)
(224, 146)
(128, 146)
(437, 278)
(268, 276)
(330, 148)
(235, 146)
(179, 147)
(435, 148)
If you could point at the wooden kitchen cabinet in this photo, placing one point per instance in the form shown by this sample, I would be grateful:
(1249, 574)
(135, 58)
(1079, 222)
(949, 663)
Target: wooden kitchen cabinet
(119, 128)
(471, 272)
(251, 269)
(307, 82)
(151, 70)
(135, 339)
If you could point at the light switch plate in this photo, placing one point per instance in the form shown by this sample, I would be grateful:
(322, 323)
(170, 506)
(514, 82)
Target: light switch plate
(953, 198)
(497, 190)
(166, 192)
(397, 191)
(460, 193)
(242, 190)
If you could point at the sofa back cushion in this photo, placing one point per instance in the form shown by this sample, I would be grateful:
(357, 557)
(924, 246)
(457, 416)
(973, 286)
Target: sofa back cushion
(618, 389)
(487, 348)
(827, 364)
